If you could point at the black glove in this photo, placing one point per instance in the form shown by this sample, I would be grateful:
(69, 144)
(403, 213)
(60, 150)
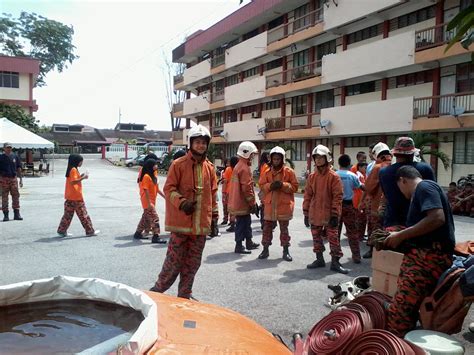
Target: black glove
(276, 185)
(333, 221)
(306, 221)
(188, 207)
(254, 210)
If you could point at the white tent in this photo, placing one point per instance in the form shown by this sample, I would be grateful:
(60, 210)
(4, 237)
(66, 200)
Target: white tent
(20, 137)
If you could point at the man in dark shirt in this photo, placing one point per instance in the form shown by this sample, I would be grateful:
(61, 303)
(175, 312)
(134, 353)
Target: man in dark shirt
(397, 205)
(10, 170)
(427, 242)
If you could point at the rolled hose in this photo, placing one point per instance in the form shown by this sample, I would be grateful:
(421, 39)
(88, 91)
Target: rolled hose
(380, 342)
(332, 333)
(362, 313)
(375, 303)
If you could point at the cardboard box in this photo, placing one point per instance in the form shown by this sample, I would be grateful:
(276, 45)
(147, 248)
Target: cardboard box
(385, 269)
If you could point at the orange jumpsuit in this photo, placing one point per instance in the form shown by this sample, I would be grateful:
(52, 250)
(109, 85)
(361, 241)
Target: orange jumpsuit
(242, 194)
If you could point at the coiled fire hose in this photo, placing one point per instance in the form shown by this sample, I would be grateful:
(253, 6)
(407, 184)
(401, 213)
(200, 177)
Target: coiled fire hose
(380, 342)
(332, 333)
(362, 313)
(376, 304)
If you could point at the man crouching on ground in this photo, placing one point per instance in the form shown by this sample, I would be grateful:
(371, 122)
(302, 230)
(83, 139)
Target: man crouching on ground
(428, 244)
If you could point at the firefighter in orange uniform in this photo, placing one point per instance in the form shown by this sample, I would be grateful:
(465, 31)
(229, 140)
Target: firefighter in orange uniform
(279, 185)
(322, 208)
(191, 212)
(242, 198)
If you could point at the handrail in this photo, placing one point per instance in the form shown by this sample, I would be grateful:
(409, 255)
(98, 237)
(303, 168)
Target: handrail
(432, 106)
(433, 36)
(301, 72)
(315, 17)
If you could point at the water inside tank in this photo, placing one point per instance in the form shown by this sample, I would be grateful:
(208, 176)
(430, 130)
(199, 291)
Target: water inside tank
(63, 326)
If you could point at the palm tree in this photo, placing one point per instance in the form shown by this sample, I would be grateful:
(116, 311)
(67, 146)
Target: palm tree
(424, 141)
(462, 24)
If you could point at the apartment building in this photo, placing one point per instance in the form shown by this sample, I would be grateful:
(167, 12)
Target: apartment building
(17, 80)
(344, 73)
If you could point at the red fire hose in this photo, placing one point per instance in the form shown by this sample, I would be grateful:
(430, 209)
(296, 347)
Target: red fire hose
(380, 342)
(332, 333)
(362, 312)
(375, 303)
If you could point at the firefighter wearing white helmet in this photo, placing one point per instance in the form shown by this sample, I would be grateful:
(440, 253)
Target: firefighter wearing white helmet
(279, 185)
(322, 208)
(191, 213)
(242, 201)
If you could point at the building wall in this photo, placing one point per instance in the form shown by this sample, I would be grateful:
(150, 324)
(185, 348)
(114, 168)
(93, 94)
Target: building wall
(197, 72)
(195, 105)
(238, 132)
(352, 152)
(246, 91)
(247, 50)
(422, 90)
(416, 27)
(271, 113)
(363, 98)
(462, 170)
(21, 93)
(364, 42)
(444, 176)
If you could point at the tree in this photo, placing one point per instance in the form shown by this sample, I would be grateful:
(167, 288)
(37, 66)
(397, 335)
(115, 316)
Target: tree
(424, 142)
(35, 36)
(286, 148)
(170, 70)
(16, 114)
(462, 24)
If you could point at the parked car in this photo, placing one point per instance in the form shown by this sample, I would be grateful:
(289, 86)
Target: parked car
(138, 160)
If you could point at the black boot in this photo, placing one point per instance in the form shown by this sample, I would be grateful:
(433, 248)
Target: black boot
(138, 235)
(5, 217)
(319, 262)
(240, 249)
(16, 215)
(368, 254)
(286, 254)
(250, 245)
(265, 253)
(231, 228)
(336, 266)
(224, 222)
(157, 240)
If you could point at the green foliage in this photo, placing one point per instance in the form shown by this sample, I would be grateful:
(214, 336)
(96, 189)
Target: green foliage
(35, 36)
(286, 148)
(16, 114)
(213, 152)
(463, 24)
(423, 141)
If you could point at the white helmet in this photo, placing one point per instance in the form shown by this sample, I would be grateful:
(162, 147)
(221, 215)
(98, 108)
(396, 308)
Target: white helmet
(379, 148)
(198, 131)
(246, 149)
(322, 150)
(278, 150)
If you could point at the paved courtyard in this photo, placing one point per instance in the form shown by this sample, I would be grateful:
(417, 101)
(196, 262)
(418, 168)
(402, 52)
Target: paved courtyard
(283, 297)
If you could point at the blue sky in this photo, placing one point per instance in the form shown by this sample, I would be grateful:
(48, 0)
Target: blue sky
(121, 46)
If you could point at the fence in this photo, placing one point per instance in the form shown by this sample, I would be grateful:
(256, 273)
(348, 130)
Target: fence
(443, 105)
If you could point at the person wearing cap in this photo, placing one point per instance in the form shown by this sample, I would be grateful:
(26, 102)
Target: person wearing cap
(191, 212)
(322, 208)
(242, 201)
(278, 185)
(396, 210)
(374, 191)
(10, 172)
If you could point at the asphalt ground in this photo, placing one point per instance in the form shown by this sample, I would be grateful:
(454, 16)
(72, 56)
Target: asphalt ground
(284, 297)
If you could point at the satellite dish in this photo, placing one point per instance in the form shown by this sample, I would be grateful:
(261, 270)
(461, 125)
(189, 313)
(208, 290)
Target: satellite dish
(324, 123)
(457, 111)
(224, 135)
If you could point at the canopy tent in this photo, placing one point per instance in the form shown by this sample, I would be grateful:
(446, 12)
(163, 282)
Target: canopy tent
(20, 137)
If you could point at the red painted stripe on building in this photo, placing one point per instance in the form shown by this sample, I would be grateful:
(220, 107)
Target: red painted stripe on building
(19, 64)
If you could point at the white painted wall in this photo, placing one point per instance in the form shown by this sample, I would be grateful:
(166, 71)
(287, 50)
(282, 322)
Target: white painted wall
(349, 10)
(300, 166)
(195, 105)
(352, 152)
(244, 131)
(370, 117)
(247, 50)
(392, 52)
(462, 170)
(444, 176)
(21, 93)
(197, 72)
(363, 98)
(246, 116)
(271, 113)
(364, 42)
(246, 91)
(422, 90)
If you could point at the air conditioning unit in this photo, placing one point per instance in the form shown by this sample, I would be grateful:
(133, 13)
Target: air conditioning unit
(256, 114)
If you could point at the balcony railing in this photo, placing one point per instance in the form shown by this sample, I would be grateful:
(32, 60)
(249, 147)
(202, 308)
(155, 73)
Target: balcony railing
(302, 121)
(178, 79)
(433, 37)
(178, 107)
(217, 96)
(453, 104)
(218, 60)
(296, 25)
(292, 75)
(216, 131)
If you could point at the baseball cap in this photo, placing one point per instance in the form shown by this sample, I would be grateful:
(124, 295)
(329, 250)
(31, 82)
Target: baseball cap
(404, 145)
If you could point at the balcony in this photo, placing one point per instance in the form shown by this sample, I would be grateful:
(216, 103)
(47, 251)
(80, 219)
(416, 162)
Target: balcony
(216, 131)
(296, 25)
(433, 37)
(218, 60)
(247, 50)
(178, 107)
(307, 120)
(292, 75)
(217, 96)
(249, 90)
(444, 105)
(178, 79)
(197, 72)
(196, 105)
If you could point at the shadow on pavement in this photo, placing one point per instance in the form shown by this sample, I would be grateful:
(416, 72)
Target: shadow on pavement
(58, 239)
(305, 243)
(222, 258)
(257, 264)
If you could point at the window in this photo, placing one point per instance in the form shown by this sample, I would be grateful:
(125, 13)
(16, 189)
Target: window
(276, 22)
(323, 99)
(272, 105)
(465, 77)
(326, 48)
(232, 80)
(250, 34)
(219, 85)
(298, 105)
(248, 109)
(231, 116)
(464, 148)
(250, 72)
(218, 121)
(61, 129)
(298, 150)
(301, 21)
(414, 78)
(301, 58)
(364, 34)
(362, 88)
(412, 18)
(9, 79)
(274, 64)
